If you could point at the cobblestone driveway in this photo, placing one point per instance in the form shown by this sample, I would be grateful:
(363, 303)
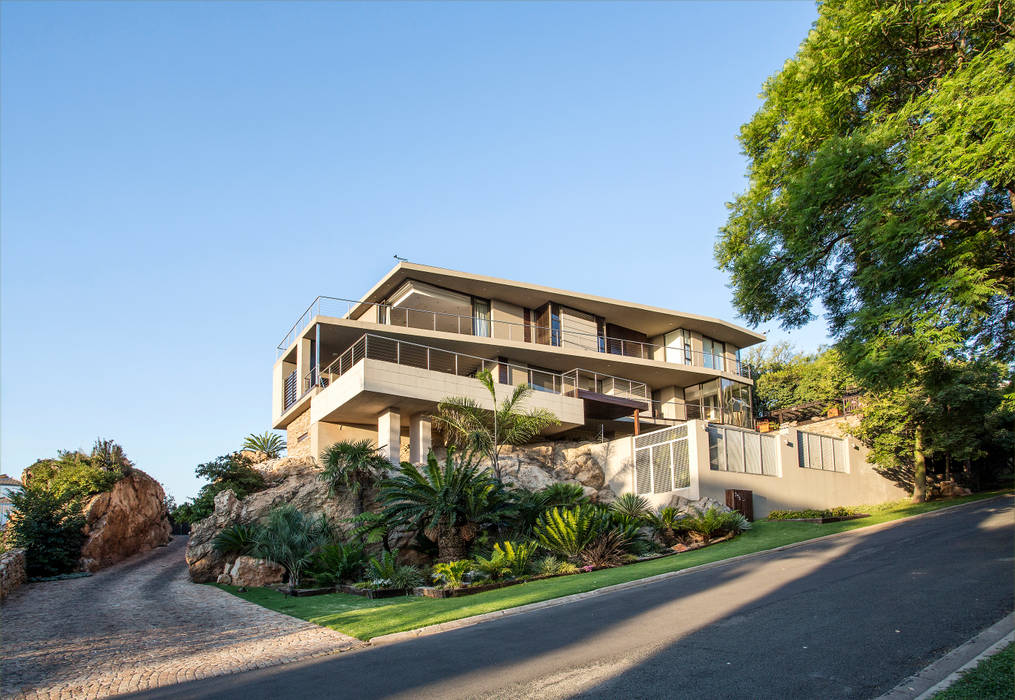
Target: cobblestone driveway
(138, 625)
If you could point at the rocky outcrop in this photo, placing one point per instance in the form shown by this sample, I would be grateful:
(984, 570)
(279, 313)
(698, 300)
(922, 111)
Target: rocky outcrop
(294, 480)
(12, 571)
(537, 466)
(291, 480)
(127, 520)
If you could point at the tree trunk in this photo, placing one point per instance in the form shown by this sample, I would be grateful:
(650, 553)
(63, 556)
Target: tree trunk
(451, 545)
(919, 467)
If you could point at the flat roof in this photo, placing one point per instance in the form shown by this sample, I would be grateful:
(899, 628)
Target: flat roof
(650, 320)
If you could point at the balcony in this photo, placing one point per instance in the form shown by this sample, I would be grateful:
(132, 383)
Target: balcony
(484, 326)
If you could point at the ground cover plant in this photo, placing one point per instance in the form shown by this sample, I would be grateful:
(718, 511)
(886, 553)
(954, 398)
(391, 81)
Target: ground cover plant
(836, 512)
(365, 619)
(991, 679)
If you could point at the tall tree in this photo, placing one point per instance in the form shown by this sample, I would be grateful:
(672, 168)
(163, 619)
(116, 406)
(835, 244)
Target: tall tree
(472, 427)
(882, 174)
(355, 466)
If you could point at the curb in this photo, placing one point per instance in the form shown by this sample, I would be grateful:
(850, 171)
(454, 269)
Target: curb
(564, 600)
(944, 672)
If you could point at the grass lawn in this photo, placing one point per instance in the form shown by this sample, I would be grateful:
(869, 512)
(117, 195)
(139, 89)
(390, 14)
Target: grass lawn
(991, 679)
(365, 619)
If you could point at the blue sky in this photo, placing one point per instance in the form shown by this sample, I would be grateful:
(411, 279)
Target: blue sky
(179, 181)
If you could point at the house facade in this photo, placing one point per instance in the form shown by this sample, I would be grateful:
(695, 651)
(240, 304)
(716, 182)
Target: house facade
(377, 366)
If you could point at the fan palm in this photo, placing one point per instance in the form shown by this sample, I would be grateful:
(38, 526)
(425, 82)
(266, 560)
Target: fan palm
(448, 502)
(269, 443)
(290, 538)
(468, 425)
(354, 466)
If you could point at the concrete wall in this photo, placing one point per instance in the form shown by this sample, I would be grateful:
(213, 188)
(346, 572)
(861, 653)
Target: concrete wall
(794, 488)
(504, 317)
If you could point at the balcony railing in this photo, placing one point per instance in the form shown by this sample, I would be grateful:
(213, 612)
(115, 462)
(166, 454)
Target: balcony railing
(401, 352)
(511, 331)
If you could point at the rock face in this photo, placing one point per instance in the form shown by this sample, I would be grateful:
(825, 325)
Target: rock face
(537, 466)
(291, 480)
(127, 520)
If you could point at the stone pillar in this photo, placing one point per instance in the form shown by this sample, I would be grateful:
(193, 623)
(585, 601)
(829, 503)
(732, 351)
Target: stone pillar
(389, 435)
(419, 438)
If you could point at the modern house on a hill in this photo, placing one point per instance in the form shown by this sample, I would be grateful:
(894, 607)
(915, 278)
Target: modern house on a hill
(376, 367)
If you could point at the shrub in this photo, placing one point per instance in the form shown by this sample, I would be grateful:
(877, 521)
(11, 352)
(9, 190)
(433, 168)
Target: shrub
(568, 531)
(237, 539)
(271, 444)
(384, 571)
(407, 576)
(715, 521)
(668, 523)
(550, 565)
(630, 508)
(507, 559)
(49, 527)
(290, 538)
(227, 473)
(450, 574)
(336, 562)
(608, 549)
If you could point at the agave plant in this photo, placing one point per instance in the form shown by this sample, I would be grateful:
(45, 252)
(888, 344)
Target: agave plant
(269, 443)
(354, 466)
(290, 538)
(567, 531)
(630, 508)
(237, 539)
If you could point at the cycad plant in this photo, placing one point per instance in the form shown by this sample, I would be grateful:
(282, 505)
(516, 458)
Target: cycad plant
(470, 426)
(354, 466)
(567, 531)
(447, 502)
(290, 538)
(238, 539)
(268, 442)
(336, 562)
(507, 559)
(451, 573)
(668, 523)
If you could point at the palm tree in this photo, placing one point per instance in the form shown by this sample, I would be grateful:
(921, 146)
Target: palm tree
(354, 466)
(469, 426)
(448, 502)
(269, 443)
(290, 538)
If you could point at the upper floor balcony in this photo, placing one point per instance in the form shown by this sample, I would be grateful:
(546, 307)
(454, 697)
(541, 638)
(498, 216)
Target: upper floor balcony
(446, 314)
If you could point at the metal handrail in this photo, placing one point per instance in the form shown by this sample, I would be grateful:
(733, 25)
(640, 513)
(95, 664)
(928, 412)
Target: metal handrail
(593, 342)
(635, 390)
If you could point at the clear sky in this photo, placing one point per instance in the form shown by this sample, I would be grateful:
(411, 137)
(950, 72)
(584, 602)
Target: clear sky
(179, 180)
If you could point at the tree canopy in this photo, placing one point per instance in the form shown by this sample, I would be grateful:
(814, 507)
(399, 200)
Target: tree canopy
(882, 173)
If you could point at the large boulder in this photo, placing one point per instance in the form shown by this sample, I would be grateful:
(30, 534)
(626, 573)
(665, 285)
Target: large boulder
(126, 520)
(255, 573)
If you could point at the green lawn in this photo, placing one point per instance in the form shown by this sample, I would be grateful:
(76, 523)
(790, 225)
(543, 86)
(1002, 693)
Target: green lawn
(365, 619)
(992, 679)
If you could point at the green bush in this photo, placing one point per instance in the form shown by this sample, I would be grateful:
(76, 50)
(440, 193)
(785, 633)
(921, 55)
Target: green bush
(49, 527)
(290, 538)
(237, 539)
(384, 571)
(716, 521)
(550, 565)
(227, 473)
(449, 574)
(568, 531)
(337, 562)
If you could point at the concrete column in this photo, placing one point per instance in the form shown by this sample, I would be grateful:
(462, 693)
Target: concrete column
(697, 456)
(389, 435)
(304, 361)
(419, 438)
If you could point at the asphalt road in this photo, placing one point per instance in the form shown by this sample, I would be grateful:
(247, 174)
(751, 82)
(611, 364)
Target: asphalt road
(845, 617)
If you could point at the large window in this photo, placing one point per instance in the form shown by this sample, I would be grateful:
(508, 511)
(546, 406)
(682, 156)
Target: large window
(481, 317)
(678, 347)
(713, 353)
(720, 401)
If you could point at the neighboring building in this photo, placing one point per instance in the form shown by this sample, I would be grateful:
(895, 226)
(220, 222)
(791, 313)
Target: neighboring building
(7, 487)
(377, 367)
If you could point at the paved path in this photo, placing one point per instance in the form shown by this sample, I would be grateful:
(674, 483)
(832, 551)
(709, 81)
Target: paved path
(844, 617)
(139, 625)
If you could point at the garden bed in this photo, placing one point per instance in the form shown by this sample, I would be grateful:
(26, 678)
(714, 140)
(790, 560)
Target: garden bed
(374, 593)
(439, 593)
(821, 520)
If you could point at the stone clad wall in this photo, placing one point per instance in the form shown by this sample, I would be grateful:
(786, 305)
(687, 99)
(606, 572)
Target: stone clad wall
(300, 426)
(12, 571)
